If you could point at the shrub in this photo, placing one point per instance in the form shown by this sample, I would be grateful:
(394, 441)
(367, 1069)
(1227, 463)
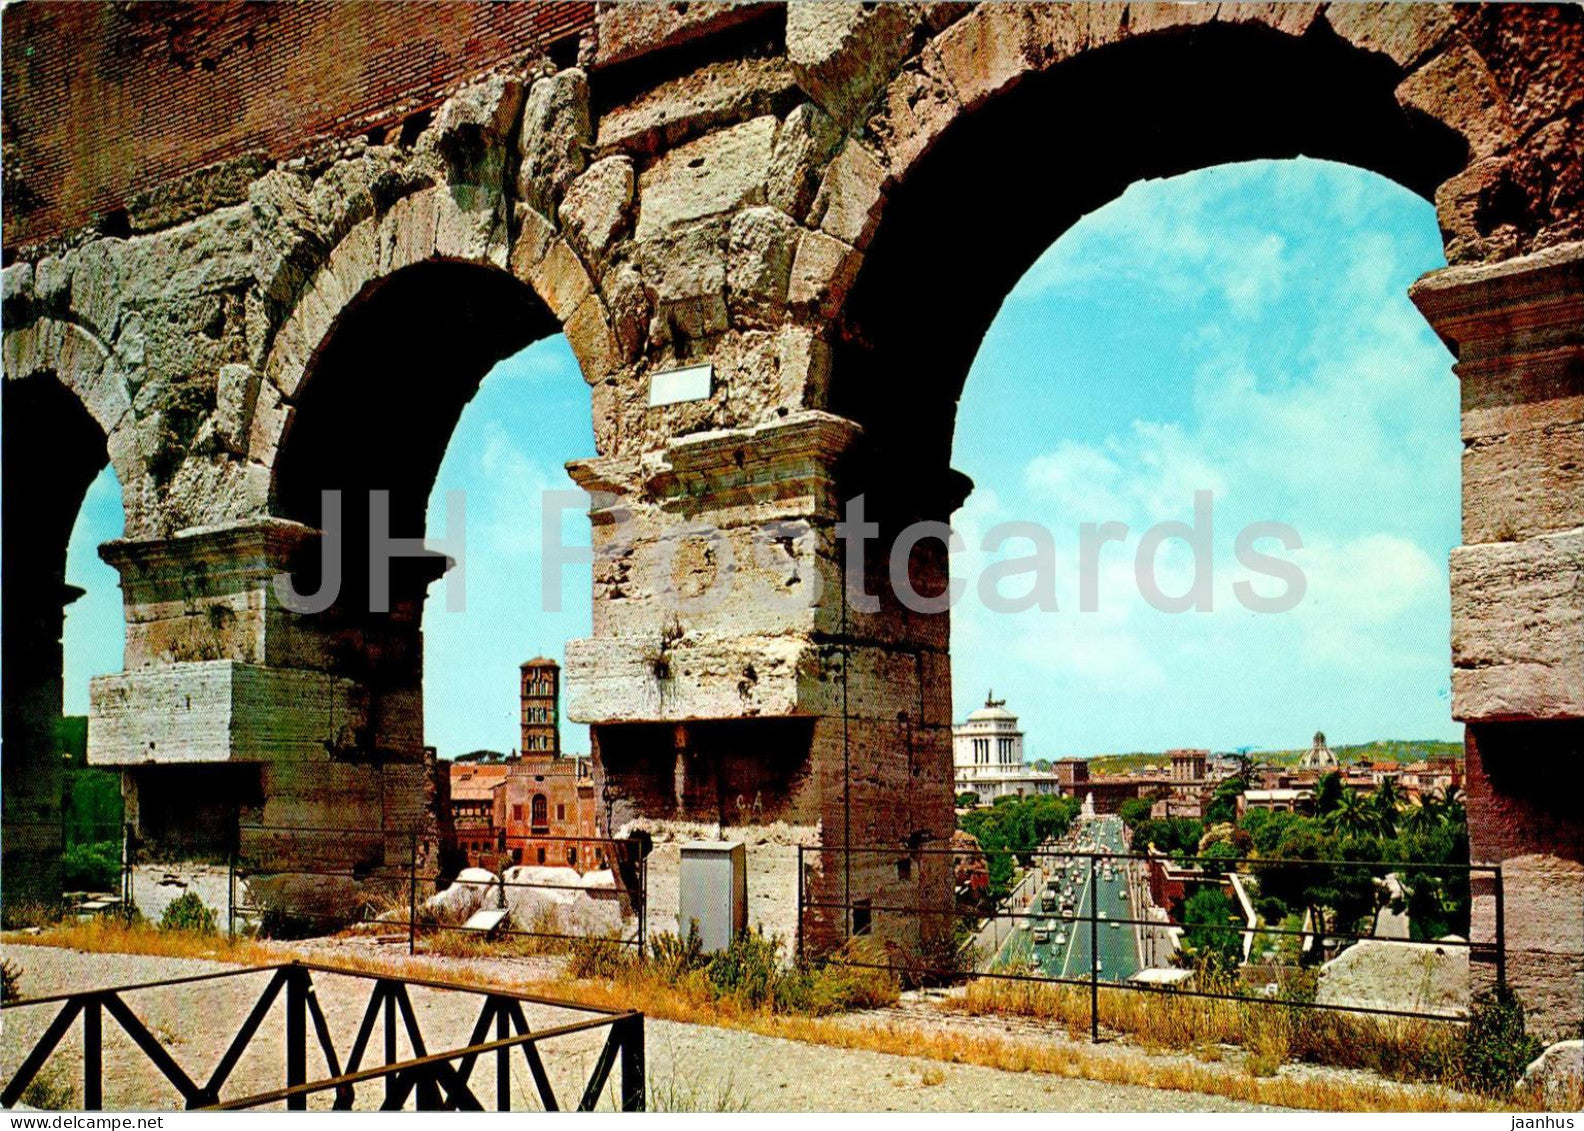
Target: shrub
(279, 922)
(941, 959)
(10, 980)
(675, 957)
(18, 915)
(599, 958)
(751, 973)
(51, 1089)
(1496, 1049)
(1270, 909)
(748, 969)
(834, 986)
(96, 865)
(188, 913)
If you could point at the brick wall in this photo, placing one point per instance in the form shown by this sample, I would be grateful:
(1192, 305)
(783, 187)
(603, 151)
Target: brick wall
(102, 99)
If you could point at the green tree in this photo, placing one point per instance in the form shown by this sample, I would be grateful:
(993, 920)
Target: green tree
(1353, 816)
(1209, 936)
(1387, 802)
(1176, 836)
(1419, 819)
(1134, 811)
(1449, 803)
(1328, 793)
(1013, 828)
(1223, 803)
(1295, 875)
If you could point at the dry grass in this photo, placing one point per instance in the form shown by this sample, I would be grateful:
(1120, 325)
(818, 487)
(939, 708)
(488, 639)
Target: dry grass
(109, 935)
(1268, 1035)
(687, 1002)
(540, 939)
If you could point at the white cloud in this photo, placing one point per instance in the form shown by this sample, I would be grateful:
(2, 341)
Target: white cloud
(1359, 592)
(1194, 251)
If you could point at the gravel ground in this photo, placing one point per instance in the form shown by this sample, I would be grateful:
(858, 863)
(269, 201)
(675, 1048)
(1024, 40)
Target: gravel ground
(690, 1067)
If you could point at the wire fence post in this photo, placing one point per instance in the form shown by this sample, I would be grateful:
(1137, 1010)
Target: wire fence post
(798, 936)
(1501, 934)
(127, 904)
(1094, 954)
(643, 906)
(412, 893)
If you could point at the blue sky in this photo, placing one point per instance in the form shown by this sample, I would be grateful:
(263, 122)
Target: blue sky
(1243, 330)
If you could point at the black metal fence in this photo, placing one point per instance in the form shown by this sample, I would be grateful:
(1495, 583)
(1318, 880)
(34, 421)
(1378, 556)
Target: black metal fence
(291, 882)
(826, 918)
(50, 864)
(297, 881)
(431, 1081)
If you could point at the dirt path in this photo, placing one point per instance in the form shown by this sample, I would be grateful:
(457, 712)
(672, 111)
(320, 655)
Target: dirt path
(690, 1067)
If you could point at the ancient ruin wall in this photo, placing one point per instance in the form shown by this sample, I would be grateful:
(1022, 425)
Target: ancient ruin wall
(740, 186)
(145, 115)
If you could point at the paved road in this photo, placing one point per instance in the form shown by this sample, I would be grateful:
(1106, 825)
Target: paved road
(1068, 952)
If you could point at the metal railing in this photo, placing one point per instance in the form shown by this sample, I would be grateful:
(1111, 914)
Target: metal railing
(385, 869)
(430, 1080)
(46, 864)
(961, 968)
(378, 872)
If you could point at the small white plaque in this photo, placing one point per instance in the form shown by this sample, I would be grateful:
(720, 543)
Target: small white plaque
(679, 385)
(486, 920)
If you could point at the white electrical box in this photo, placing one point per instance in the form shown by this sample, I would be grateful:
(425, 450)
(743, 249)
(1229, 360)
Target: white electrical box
(714, 891)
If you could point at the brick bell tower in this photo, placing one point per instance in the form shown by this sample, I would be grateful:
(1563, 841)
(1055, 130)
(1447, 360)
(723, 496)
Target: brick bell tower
(541, 692)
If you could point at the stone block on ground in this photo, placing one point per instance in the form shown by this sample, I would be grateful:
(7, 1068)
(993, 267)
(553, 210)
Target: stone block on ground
(473, 889)
(562, 901)
(1416, 977)
(1558, 1075)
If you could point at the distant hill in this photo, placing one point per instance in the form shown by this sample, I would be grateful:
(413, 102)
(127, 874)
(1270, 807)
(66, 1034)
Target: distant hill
(1400, 750)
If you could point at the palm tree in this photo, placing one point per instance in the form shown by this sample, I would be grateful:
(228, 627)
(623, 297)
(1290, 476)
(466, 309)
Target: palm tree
(1389, 793)
(1353, 816)
(1387, 801)
(1449, 803)
(1328, 793)
(1421, 817)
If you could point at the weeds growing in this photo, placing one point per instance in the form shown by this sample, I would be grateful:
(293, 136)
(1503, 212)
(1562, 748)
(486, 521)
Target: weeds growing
(747, 987)
(1487, 1055)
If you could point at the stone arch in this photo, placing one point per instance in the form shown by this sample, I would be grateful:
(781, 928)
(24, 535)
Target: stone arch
(63, 400)
(1064, 106)
(1193, 87)
(424, 227)
(360, 391)
(373, 411)
(72, 356)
